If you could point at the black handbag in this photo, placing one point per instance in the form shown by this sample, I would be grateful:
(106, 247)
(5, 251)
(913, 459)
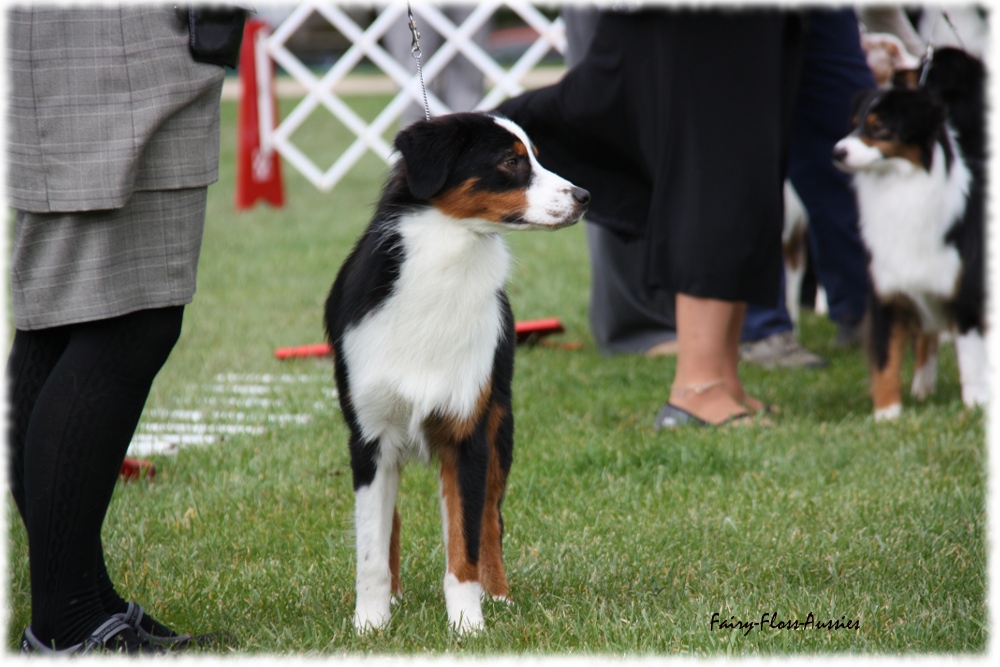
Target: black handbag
(216, 34)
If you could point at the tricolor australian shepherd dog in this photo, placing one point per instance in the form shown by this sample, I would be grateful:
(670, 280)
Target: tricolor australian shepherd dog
(423, 340)
(918, 163)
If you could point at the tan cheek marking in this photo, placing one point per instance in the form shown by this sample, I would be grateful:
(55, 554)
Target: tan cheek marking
(462, 202)
(892, 149)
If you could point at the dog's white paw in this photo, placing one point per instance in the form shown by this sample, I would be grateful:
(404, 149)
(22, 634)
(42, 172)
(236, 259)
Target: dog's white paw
(889, 413)
(465, 611)
(371, 614)
(924, 381)
(973, 367)
(975, 394)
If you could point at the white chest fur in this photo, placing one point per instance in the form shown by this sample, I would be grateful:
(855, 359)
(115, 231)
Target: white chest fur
(905, 213)
(430, 345)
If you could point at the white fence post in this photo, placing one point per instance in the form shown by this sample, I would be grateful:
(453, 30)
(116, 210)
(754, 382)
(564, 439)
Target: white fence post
(365, 43)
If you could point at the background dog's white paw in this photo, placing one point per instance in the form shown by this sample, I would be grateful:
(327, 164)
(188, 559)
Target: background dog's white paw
(924, 380)
(974, 395)
(973, 368)
(889, 413)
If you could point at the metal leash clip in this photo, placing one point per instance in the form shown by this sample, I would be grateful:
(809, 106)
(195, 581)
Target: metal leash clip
(415, 52)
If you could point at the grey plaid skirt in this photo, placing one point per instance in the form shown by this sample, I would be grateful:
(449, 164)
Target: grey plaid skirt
(83, 266)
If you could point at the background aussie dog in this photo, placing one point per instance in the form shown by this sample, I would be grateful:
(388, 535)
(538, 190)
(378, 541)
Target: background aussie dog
(423, 340)
(918, 158)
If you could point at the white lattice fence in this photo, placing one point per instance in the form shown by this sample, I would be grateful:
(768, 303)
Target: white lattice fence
(365, 43)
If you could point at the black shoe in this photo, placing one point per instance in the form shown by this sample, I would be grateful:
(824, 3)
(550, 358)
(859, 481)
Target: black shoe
(112, 636)
(155, 633)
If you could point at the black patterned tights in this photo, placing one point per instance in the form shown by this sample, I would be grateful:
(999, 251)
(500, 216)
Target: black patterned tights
(76, 394)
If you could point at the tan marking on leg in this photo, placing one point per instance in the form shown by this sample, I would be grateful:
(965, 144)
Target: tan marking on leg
(885, 383)
(397, 588)
(794, 250)
(442, 430)
(491, 571)
(925, 346)
(458, 557)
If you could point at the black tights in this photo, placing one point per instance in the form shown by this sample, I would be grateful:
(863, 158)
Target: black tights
(76, 394)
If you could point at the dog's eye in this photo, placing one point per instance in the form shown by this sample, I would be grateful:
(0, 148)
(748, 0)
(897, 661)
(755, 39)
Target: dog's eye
(878, 129)
(510, 163)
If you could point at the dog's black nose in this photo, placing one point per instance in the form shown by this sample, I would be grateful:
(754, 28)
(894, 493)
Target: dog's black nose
(839, 154)
(581, 196)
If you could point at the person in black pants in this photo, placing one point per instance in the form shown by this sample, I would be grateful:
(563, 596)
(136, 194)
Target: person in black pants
(834, 71)
(677, 122)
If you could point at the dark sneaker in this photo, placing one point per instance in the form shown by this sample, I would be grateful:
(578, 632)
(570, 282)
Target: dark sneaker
(155, 633)
(112, 636)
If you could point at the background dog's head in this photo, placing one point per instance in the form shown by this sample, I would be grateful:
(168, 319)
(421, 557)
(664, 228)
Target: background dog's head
(480, 167)
(892, 125)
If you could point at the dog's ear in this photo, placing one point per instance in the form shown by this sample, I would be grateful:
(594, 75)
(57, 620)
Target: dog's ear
(859, 105)
(429, 149)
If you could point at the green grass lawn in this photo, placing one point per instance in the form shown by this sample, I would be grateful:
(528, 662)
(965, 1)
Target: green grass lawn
(619, 541)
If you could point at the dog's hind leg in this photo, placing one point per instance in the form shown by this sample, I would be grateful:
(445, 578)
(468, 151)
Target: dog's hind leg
(374, 506)
(925, 366)
(491, 571)
(973, 367)
(463, 480)
(793, 250)
(397, 587)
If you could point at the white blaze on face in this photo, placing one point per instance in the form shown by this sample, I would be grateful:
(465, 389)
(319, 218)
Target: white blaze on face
(858, 154)
(550, 197)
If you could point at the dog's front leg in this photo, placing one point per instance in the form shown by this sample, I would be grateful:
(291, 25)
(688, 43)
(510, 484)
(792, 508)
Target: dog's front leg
(973, 367)
(463, 483)
(887, 344)
(374, 508)
(925, 366)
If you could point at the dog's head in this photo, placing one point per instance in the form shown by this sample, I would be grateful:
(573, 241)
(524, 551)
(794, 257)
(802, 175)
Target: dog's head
(891, 126)
(478, 167)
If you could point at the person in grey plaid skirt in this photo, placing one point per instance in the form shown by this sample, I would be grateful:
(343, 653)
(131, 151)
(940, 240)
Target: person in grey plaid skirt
(113, 138)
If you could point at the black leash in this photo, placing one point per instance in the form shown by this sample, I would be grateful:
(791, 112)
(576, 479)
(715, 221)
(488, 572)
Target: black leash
(929, 54)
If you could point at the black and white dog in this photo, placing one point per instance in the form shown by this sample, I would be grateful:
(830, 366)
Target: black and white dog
(918, 159)
(423, 338)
